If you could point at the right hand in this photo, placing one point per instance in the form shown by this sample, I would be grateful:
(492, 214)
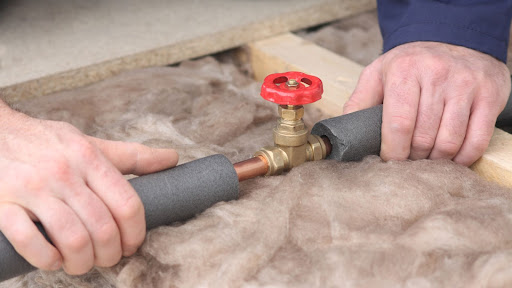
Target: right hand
(71, 183)
(440, 101)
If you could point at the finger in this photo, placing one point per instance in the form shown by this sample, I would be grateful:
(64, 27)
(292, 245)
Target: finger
(135, 158)
(122, 201)
(452, 129)
(368, 92)
(99, 223)
(67, 233)
(478, 135)
(430, 111)
(402, 93)
(24, 236)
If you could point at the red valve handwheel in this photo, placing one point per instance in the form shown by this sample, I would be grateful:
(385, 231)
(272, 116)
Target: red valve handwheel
(307, 89)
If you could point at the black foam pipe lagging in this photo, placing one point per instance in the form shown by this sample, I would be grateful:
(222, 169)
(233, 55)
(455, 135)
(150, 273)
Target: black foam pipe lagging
(168, 196)
(505, 118)
(356, 135)
(353, 136)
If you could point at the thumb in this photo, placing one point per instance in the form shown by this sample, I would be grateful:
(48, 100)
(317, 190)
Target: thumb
(369, 91)
(135, 158)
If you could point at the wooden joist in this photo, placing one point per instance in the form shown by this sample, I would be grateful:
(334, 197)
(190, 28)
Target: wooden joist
(339, 75)
(51, 46)
(496, 164)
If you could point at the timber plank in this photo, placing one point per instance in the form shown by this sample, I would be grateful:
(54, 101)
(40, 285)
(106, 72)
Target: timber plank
(288, 52)
(496, 164)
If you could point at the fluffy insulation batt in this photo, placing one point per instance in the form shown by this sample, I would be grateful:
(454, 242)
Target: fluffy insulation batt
(324, 224)
(357, 37)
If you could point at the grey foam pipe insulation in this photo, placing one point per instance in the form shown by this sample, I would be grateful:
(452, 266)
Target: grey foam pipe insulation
(356, 135)
(353, 135)
(168, 196)
(505, 118)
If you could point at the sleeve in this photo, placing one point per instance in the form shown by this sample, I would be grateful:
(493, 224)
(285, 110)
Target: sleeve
(482, 25)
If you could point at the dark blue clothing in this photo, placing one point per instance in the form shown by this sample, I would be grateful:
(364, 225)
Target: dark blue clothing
(482, 25)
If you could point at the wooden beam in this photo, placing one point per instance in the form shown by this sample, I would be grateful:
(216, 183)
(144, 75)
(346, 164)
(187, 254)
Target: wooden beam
(93, 40)
(339, 75)
(496, 164)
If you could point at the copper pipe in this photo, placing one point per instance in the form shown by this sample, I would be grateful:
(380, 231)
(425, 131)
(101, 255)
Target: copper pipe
(328, 146)
(250, 168)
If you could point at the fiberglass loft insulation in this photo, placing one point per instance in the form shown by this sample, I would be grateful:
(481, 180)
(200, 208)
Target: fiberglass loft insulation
(365, 224)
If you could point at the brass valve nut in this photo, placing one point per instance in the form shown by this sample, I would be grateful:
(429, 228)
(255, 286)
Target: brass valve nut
(277, 160)
(290, 127)
(316, 149)
(291, 113)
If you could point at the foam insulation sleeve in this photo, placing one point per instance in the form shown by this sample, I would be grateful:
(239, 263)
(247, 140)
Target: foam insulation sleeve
(505, 118)
(168, 196)
(180, 193)
(356, 135)
(353, 136)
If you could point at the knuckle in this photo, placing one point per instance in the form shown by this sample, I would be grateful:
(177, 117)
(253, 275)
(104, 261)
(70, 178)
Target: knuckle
(22, 239)
(480, 144)
(480, 76)
(60, 169)
(77, 243)
(448, 148)
(405, 61)
(87, 151)
(401, 125)
(439, 70)
(82, 148)
(131, 209)
(484, 80)
(47, 263)
(466, 80)
(491, 95)
(437, 64)
(107, 234)
(423, 143)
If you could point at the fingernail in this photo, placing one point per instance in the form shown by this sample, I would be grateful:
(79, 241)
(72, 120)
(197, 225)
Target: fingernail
(57, 265)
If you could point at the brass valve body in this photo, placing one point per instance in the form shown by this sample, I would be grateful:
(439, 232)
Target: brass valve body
(293, 143)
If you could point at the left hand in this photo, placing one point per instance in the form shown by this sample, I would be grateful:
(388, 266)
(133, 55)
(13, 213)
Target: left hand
(440, 100)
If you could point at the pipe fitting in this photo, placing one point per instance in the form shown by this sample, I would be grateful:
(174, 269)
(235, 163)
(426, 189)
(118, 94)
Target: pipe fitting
(316, 150)
(277, 160)
(293, 145)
